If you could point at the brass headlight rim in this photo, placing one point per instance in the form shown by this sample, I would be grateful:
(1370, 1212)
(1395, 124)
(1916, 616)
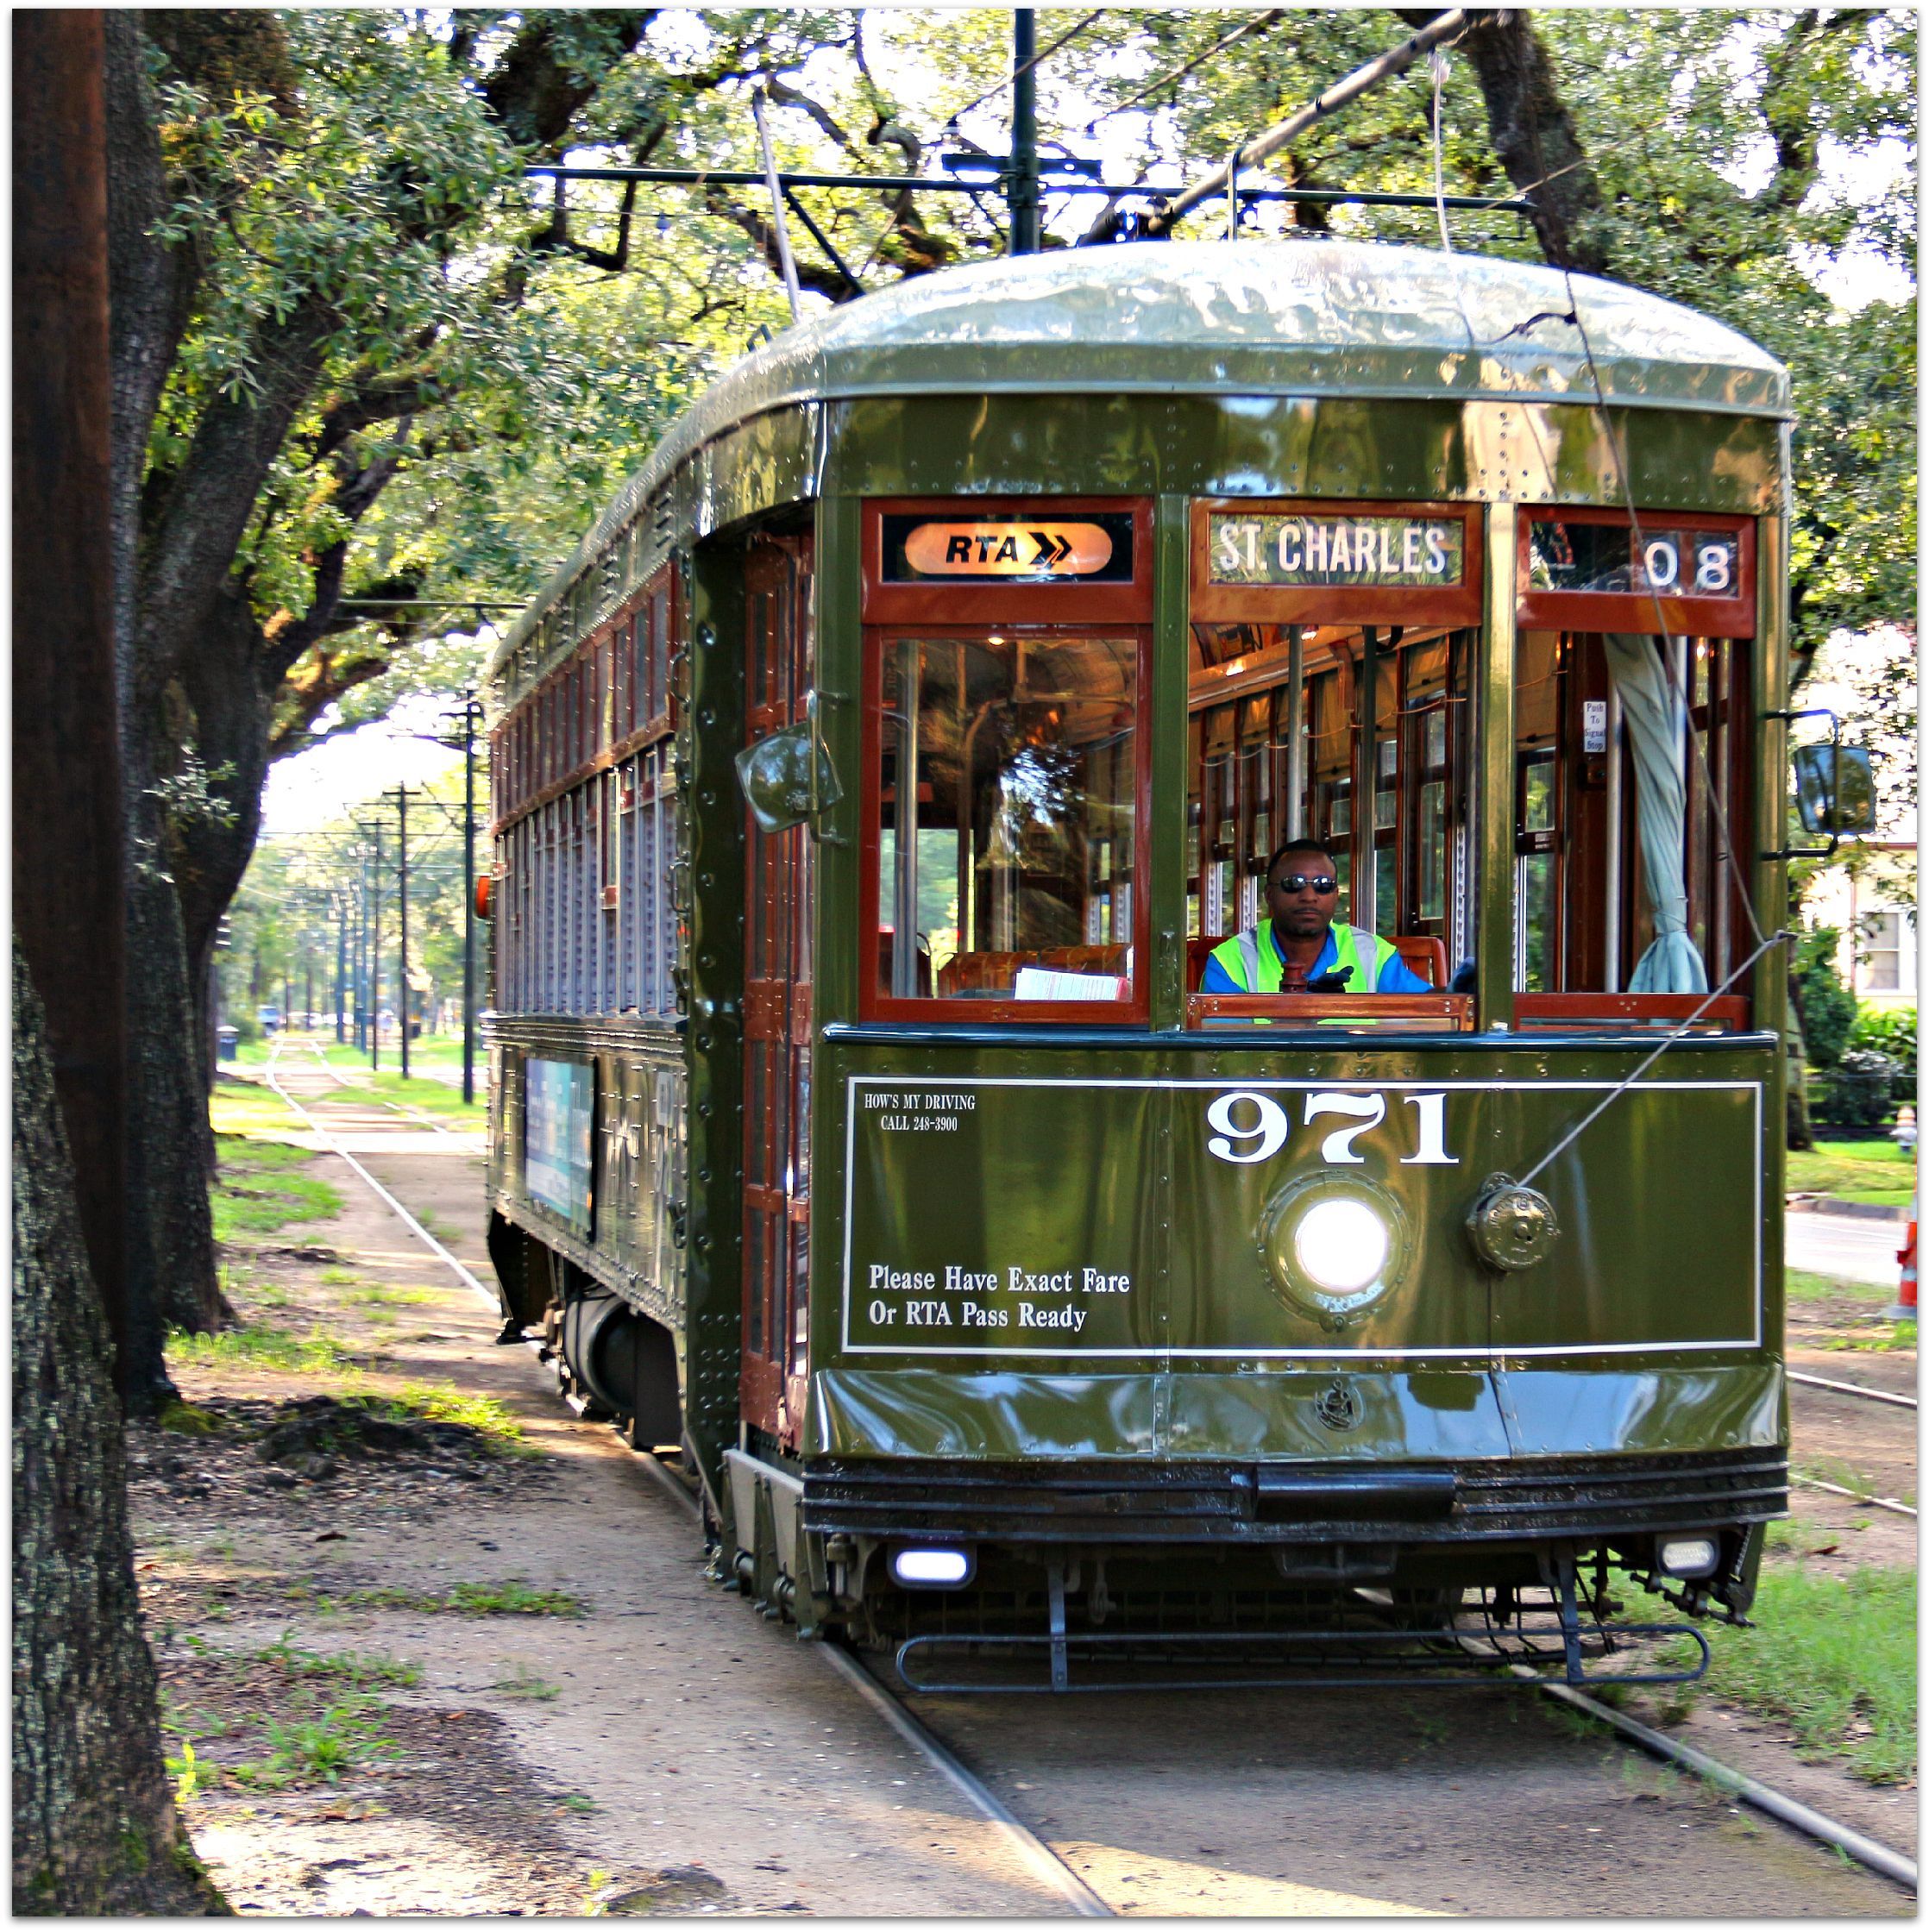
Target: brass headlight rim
(1296, 1286)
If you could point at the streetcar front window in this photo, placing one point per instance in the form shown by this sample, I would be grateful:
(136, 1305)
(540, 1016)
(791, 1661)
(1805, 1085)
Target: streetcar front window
(1008, 804)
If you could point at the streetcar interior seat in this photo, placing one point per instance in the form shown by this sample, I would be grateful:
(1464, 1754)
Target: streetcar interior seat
(995, 975)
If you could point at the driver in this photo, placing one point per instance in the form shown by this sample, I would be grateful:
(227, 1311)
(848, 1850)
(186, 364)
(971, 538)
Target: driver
(1298, 948)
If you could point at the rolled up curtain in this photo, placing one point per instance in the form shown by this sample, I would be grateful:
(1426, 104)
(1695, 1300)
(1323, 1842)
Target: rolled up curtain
(1651, 705)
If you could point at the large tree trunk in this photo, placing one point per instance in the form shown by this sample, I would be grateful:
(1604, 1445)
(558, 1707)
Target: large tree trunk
(1534, 135)
(95, 1831)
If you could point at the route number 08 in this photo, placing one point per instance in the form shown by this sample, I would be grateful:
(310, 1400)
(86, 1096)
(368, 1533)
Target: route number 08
(1249, 1127)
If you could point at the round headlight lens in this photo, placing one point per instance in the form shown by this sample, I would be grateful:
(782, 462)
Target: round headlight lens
(1342, 1244)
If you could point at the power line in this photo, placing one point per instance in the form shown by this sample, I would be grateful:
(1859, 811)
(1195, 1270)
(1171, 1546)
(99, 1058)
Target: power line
(1019, 73)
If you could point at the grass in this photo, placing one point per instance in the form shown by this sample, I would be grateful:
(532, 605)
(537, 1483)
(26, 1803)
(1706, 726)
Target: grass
(1805, 1287)
(419, 1402)
(359, 1670)
(1834, 1658)
(1878, 1342)
(522, 1682)
(259, 1346)
(428, 1095)
(510, 1598)
(247, 1107)
(260, 1189)
(321, 1749)
(383, 1297)
(1873, 1171)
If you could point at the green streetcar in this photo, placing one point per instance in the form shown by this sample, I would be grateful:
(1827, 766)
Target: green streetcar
(871, 791)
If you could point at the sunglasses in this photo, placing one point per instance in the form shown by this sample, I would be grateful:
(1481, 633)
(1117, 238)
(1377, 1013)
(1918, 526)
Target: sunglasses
(1321, 882)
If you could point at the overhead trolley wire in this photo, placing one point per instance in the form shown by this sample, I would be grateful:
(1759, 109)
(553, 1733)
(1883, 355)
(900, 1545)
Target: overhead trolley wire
(1270, 18)
(1012, 78)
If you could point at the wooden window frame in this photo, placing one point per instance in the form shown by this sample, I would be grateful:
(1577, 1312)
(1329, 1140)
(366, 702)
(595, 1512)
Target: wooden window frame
(1632, 613)
(873, 1004)
(1456, 605)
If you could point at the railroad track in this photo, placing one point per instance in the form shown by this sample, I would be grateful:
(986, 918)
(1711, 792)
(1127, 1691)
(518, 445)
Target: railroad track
(1034, 1852)
(1851, 1389)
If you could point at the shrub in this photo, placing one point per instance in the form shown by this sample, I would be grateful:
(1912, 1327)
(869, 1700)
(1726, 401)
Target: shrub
(1889, 1030)
(1855, 1093)
(1828, 1008)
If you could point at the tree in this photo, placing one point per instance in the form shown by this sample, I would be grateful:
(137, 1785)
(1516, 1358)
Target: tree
(95, 1831)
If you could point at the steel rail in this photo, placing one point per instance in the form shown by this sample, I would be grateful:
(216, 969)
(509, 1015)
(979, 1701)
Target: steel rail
(1764, 1798)
(1887, 1502)
(1043, 1863)
(330, 1145)
(1852, 1389)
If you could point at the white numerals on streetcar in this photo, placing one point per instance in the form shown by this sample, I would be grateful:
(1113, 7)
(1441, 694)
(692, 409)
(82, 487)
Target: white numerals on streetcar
(1248, 1127)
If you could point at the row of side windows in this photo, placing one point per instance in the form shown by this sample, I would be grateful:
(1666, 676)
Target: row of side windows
(586, 919)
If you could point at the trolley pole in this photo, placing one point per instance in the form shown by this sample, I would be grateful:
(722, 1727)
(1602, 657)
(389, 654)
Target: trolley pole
(469, 711)
(1022, 191)
(402, 915)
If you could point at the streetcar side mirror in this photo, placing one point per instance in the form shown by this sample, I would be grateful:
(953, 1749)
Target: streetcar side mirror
(788, 777)
(1835, 789)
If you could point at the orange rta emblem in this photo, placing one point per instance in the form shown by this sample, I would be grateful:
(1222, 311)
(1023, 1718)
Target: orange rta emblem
(1026, 549)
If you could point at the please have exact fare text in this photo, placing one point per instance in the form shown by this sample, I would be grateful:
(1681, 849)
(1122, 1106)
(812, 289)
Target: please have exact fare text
(958, 1297)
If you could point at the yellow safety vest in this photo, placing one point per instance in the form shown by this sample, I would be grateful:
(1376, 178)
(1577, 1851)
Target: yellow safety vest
(1253, 963)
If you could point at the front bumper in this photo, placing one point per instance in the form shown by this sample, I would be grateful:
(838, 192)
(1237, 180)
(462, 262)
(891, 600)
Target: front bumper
(1232, 1503)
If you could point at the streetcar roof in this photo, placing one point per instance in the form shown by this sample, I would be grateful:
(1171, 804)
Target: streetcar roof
(1232, 318)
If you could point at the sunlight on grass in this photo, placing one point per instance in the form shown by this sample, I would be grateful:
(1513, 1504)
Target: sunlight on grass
(259, 1346)
(260, 1189)
(1855, 1170)
(1835, 1659)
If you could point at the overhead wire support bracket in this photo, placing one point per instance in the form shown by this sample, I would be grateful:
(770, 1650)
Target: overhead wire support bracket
(928, 184)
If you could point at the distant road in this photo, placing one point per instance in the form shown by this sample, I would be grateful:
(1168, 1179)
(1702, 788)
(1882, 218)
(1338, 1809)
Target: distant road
(1854, 1249)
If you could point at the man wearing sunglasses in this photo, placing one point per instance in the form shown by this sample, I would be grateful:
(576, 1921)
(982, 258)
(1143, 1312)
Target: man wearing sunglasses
(1298, 948)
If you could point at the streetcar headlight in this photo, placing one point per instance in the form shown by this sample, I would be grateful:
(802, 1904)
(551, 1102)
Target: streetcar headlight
(931, 1569)
(1689, 1556)
(1341, 1244)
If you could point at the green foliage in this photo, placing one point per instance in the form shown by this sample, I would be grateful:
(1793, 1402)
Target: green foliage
(519, 1681)
(1889, 1030)
(1854, 1091)
(421, 1402)
(1828, 1008)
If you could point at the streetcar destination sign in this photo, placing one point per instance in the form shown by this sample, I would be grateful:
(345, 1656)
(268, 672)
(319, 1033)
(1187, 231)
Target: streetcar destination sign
(1311, 550)
(1044, 548)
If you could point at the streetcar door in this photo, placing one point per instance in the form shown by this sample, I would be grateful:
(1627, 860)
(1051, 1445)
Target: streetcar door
(776, 1010)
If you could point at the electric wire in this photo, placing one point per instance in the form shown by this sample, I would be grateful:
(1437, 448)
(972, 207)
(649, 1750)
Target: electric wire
(1268, 19)
(1011, 80)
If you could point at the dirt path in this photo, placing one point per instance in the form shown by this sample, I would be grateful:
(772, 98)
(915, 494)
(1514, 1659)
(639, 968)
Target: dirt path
(531, 1699)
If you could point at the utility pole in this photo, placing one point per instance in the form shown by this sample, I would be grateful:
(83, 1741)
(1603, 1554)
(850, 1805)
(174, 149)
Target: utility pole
(471, 711)
(402, 910)
(341, 966)
(1022, 189)
(375, 959)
